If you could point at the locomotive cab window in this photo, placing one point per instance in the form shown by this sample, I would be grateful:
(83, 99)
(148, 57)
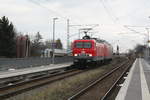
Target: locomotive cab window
(79, 45)
(87, 44)
(83, 45)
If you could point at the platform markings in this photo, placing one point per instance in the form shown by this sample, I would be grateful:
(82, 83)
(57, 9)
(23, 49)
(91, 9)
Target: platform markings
(144, 86)
(147, 67)
(24, 71)
(123, 91)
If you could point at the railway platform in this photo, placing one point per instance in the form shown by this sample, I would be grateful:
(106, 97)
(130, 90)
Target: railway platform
(25, 71)
(137, 83)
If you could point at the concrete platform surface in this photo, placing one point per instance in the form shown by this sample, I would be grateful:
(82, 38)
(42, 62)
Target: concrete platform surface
(137, 84)
(18, 72)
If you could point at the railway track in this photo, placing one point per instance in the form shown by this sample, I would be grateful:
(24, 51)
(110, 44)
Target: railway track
(103, 86)
(32, 82)
(109, 93)
(26, 85)
(14, 79)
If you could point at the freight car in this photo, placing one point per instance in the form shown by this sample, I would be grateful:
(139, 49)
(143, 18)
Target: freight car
(91, 50)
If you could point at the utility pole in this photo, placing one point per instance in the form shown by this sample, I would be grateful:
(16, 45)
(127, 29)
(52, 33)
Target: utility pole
(147, 33)
(117, 52)
(79, 33)
(147, 42)
(53, 44)
(68, 35)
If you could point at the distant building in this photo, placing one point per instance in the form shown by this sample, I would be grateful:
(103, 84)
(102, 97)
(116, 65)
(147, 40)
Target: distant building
(23, 46)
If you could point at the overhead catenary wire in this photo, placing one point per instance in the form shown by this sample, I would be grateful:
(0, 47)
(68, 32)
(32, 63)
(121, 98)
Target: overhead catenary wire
(114, 18)
(116, 21)
(58, 14)
(107, 11)
(52, 11)
(110, 13)
(133, 30)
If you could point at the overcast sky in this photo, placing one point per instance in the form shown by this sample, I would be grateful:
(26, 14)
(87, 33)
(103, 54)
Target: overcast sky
(31, 16)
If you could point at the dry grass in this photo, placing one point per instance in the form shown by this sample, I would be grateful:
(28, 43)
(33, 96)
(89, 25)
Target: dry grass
(62, 89)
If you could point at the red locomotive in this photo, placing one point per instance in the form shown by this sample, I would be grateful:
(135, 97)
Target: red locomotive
(91, 50)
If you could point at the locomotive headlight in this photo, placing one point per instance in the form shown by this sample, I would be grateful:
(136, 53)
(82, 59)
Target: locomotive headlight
(90, 55)
(75, 55)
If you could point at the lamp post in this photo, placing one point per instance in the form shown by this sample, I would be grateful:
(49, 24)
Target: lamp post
(53, 44)
(147, 42)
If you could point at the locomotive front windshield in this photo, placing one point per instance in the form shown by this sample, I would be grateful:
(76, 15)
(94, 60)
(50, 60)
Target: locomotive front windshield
(83, 45)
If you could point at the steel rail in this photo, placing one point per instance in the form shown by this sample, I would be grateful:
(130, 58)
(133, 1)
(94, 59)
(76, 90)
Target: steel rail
(113, 86)
(16, 79)
(35, 72)
(12, 89)
(4, 82)
(95, 82)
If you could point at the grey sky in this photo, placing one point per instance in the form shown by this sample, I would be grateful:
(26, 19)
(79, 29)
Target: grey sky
(111, 15)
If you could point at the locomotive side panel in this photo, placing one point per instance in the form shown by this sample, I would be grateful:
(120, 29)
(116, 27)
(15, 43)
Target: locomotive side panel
(108, 51)
(100, 51)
